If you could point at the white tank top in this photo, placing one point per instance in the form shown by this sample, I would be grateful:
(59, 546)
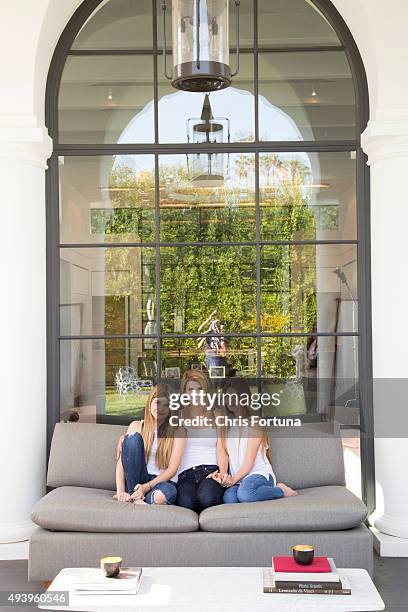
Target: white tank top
(201, 448)
(237, 448)
(152, 467)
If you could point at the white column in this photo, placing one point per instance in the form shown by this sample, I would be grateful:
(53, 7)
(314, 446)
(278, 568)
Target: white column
(23, 156)
(386, 144)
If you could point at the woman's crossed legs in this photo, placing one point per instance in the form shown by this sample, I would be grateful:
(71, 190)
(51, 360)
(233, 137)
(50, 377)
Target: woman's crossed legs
(134, 465)
(256, 488)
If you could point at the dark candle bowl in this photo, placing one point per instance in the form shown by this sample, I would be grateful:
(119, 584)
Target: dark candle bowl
(111, 566)
(303, 554)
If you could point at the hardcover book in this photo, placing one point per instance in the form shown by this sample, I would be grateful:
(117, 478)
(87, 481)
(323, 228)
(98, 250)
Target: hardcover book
(94, 582)
(288, 564)
(299, 579)
(270, 586)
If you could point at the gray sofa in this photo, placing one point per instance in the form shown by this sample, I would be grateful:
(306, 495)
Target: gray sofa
(79, 522)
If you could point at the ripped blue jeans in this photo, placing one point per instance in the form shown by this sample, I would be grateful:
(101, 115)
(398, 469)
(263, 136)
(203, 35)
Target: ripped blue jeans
(134, 465)
(253, 488)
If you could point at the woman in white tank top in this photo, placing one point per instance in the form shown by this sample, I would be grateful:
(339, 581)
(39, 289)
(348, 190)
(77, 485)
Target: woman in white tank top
(195, 490)
(245, 466)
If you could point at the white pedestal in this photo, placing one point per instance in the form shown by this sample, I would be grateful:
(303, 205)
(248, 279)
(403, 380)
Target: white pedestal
(386, 145)
(23, 155)
(389, 546)
(13, 551)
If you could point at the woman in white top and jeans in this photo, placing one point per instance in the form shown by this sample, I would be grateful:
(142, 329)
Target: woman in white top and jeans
(149, 455)
(245, 451)
(194, 489)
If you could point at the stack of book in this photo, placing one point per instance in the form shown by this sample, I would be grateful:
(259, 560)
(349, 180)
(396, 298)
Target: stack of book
(94, 582)
(320, 577)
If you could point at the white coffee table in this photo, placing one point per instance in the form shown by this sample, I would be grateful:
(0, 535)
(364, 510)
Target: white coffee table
(213, 589)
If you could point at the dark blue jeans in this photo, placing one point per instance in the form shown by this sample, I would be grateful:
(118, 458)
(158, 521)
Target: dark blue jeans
(134, 465)
(197, 492)
(251, 489)
(216, 360)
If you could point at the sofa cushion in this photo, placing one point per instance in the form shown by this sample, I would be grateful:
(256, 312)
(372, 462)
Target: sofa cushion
(308, 456)
(318, 509)
(83, 455)
(94, 510)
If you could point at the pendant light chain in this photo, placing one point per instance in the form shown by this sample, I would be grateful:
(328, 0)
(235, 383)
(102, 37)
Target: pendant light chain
(198, 33)
(237, 5)
(164, 9)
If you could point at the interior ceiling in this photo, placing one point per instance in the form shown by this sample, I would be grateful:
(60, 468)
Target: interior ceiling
(313, 88)
(83, 76)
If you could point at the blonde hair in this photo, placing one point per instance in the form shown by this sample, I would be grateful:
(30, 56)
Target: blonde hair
(165, 437)
(242, 387)
(196, 376)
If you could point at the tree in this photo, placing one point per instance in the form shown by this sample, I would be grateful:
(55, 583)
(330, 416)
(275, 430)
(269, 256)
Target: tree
(196, 280)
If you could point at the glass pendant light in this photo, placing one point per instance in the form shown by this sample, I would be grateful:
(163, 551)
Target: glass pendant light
(208, 169)
(200, 44)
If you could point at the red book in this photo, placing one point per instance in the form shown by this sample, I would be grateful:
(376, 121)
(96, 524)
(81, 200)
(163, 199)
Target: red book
(288, 564)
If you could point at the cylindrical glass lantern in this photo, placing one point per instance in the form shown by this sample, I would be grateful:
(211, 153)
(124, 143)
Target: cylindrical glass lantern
(208, 169)
(201, 45)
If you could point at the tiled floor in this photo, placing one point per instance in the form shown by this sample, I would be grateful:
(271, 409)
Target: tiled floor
(390, 577)
(13, 577)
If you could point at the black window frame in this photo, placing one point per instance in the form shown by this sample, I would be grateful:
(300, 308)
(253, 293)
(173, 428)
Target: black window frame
(362, 242)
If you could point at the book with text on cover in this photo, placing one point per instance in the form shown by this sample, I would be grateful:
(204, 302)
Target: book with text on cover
(94, 582)
(270, 586)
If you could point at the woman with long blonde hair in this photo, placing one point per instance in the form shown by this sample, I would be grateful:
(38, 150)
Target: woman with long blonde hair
(149, 455)
(245, 467)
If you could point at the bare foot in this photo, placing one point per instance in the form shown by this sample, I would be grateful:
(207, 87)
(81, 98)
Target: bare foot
(287, 491)
(139, 502)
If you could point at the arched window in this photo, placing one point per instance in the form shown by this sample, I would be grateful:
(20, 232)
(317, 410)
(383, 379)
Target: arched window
(159, 242)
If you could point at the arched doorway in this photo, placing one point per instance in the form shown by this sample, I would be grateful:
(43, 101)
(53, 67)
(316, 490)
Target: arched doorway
(141, 252)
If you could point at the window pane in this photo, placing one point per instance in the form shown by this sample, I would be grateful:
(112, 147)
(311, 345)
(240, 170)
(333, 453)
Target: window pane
(207, 198)
(309, 288)
(306, 96)
(107, 99)
(107, 199)
(237, 357)
(321, 375)
(107, 291)
(293, 23)
(246, 26)
(308, 196)
(196, 281)
(104, 379)
(235, 103)
(118, 24)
